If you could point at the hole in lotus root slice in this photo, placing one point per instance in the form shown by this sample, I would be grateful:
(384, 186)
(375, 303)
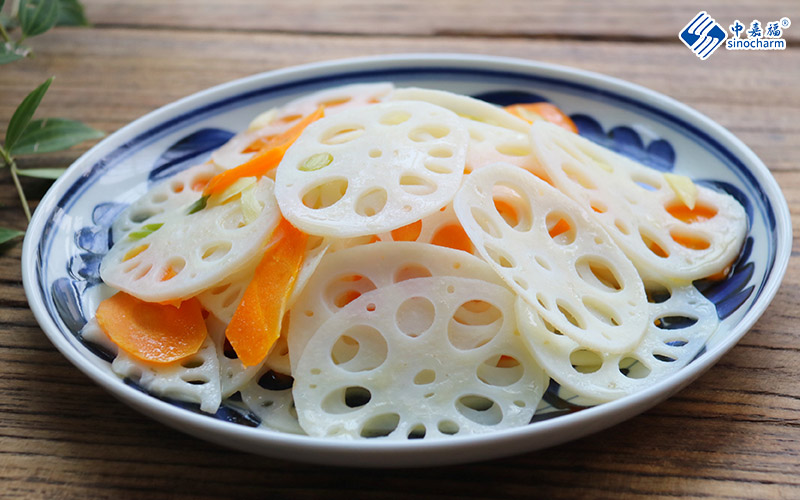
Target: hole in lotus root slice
(361, 348)
(395, 117)
(380, 425)
(417, 185)
(417, 432)
(674, 322)
(342, 134)
(474, 324)
(448, 427)
(561, 227)
(479, 409)
(346, 399)
(633, 368)
(585, 361)
(326, 194)
(404, 182)
(214, 251)
(500, 370)
(422, 392)
(415, 316)
(596, 271)
(371, 203)
(512, 206)
(412, 271)
(424, 377)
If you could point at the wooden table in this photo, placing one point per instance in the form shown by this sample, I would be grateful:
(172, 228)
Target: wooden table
(733, 433)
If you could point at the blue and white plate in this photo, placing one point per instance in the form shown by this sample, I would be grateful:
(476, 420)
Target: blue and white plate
(69, 233)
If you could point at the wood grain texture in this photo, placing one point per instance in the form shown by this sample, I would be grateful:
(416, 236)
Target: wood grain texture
(734, 433)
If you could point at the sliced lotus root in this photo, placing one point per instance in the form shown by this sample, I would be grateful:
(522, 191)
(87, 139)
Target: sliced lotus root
(554, 255)
(390, 365)
(335, 100)
(179, 190)
(177, 254)
(490, 144)
(269, 396)
(344, 275)
(372, 169)
(464, 106)
(665, 238)
(678, 329)
(194, 379)
(239, 149)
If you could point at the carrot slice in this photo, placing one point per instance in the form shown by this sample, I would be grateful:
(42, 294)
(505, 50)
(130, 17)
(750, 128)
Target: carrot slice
(452, 236)
(269, 157)
(408, 232)
(256, 324)
(531, 112)
(152, 332)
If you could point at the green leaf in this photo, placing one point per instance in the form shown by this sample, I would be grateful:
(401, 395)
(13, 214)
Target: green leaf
(37, 16)
(145, 230)
(71, 14)
(10, 52)
(1, 4)
(53, 134)
(7, 234)
(24, 113)
(42, 173)
(198, 205)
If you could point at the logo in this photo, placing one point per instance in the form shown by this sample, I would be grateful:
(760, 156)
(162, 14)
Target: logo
(767, 36)
(703, 35)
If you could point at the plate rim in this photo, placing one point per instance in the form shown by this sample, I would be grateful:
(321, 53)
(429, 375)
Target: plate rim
(404, 453)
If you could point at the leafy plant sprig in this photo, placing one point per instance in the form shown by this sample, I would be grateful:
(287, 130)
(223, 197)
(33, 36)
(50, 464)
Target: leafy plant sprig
(24, 135)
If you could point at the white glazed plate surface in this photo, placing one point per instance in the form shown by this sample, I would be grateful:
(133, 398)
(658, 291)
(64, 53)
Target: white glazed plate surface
(69, 231)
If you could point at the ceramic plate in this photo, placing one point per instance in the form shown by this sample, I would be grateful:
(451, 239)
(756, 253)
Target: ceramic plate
(69, 232)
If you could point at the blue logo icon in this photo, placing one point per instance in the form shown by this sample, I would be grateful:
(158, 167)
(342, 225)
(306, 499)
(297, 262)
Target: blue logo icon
(703, 35)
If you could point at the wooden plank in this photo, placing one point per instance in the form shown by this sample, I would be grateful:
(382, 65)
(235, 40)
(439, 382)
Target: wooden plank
(618, 19)
(102, 80)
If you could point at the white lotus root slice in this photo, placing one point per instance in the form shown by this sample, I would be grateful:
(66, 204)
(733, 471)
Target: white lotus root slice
(388, 364)
(270, 398)
(554, 256)
(344, 275)
(635, 204)
(334, 100)
(194, 379)
(277, 120)
(189, 253)
(600, 376)
(179, 190)
(490, 144)
(441, 228)
(464, 106)
(372, 169)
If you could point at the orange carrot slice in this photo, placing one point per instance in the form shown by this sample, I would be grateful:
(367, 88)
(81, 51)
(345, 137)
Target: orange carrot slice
(531, 112)
(256, 324)
(452, 236)
(269, 157)
(408, 232)
(152, 332)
